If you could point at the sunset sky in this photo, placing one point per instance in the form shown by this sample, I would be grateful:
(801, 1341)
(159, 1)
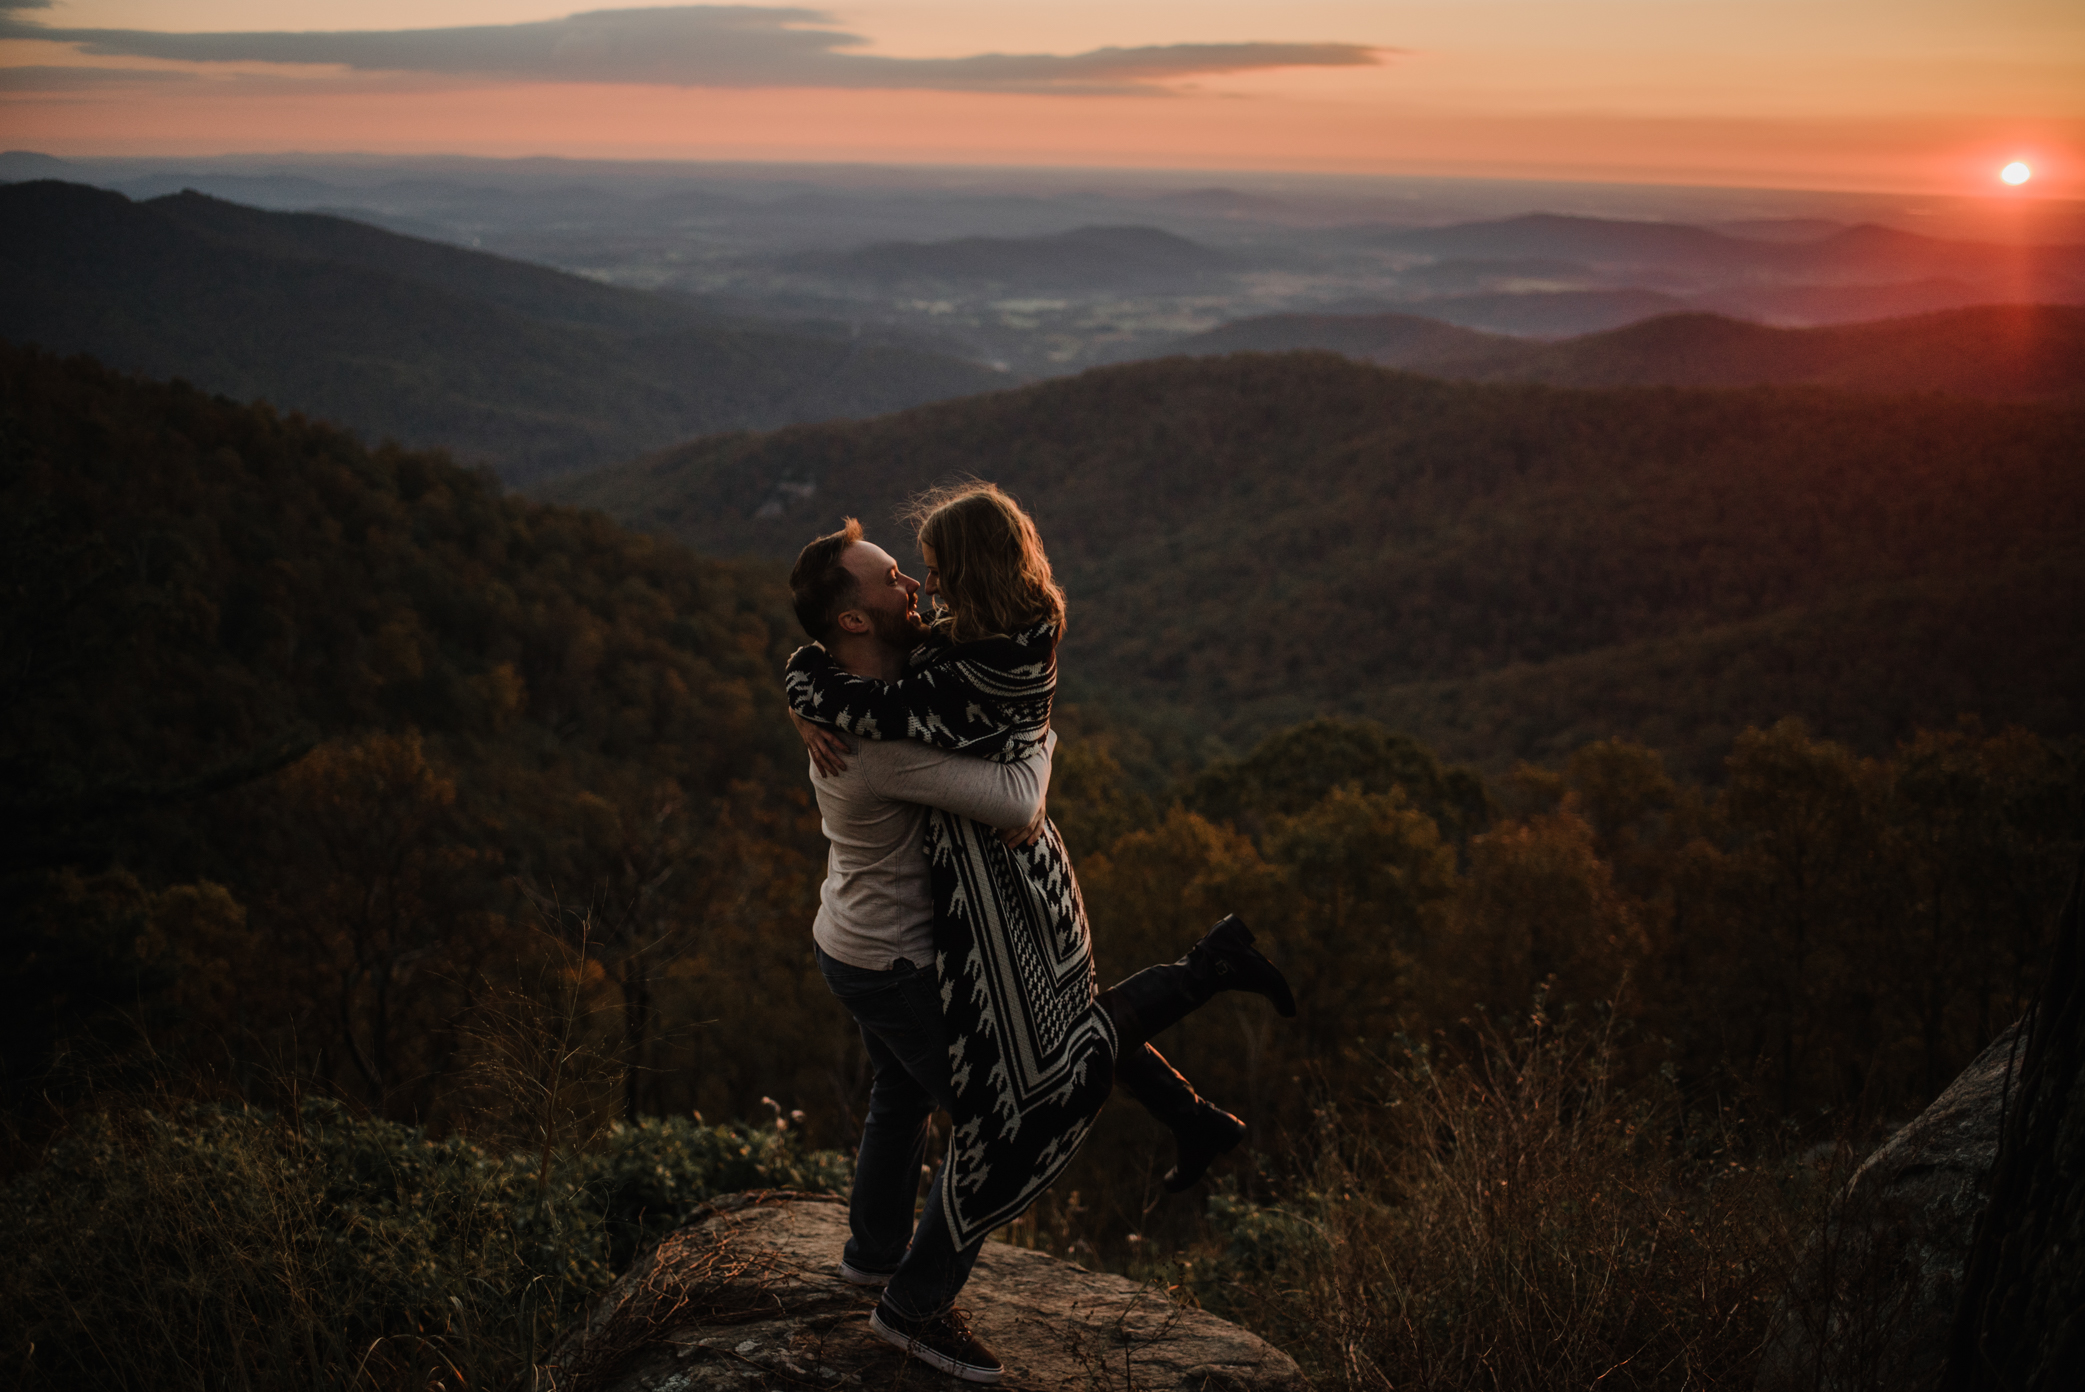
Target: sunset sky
(1915, 95)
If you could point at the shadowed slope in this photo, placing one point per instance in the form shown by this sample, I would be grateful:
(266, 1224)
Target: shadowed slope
(536, 370)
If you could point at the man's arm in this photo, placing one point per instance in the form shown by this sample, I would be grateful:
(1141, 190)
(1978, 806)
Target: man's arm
(984, 790)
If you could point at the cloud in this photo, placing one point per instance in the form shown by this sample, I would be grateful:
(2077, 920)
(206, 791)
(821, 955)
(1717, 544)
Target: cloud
(698, 46)
(52, 78)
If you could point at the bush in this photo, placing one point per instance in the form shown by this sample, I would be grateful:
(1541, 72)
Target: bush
(227, 1246)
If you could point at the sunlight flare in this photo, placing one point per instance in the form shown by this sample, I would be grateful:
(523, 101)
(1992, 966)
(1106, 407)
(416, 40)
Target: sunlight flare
(2016, 173)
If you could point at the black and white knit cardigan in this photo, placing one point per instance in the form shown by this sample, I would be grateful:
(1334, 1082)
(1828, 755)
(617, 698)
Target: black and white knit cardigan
(1032, 1056)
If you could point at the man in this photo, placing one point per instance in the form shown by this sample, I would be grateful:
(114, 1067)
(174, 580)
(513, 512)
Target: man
(874, 939)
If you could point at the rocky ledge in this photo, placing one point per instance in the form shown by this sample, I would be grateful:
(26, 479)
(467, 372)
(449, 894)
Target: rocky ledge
(1873, 1296)
(747, 1294)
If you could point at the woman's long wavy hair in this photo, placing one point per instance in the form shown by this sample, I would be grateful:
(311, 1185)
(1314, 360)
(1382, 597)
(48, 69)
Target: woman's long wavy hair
(994, 575)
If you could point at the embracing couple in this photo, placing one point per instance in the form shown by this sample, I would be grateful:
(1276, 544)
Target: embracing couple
(950, 923)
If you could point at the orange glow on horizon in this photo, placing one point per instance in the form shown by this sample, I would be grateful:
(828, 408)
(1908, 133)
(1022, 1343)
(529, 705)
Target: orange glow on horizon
(1857, 96)
(1933, 154)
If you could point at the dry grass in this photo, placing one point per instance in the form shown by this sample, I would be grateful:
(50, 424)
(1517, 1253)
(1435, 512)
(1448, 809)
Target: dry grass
(1512, 1220)
(694, 1275)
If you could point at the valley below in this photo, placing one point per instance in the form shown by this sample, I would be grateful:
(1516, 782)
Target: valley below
(1038, 274)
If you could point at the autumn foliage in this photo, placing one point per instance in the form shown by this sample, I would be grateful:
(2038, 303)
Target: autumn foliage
(334, 777)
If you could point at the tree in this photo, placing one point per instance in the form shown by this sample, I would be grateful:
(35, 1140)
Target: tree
(1803, 891)
(637, 883)
(374, 876)
(1538, 907)
(1371, 881)
(1290, 772)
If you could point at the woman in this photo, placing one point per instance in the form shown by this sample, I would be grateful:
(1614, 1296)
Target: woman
(1034, 1048)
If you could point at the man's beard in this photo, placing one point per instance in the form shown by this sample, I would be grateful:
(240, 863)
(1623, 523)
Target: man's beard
(898, 630)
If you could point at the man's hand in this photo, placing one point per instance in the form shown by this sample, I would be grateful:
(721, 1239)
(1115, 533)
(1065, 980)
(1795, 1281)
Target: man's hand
(1027, 835)
(828, 751)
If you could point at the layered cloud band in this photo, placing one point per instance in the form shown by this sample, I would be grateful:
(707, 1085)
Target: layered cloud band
(698, 46)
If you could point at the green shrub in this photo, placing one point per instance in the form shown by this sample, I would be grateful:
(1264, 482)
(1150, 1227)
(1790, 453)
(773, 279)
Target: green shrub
(645, 1178)
(1263, 1241)
(225, 1247)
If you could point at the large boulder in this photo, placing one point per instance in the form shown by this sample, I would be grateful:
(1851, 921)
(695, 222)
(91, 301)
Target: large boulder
(2021, 1325)
(1873, 1296)
(747, 1294)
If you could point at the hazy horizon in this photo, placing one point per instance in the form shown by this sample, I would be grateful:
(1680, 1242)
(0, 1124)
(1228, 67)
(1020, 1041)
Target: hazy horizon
(1929, 98)
(1313, 197)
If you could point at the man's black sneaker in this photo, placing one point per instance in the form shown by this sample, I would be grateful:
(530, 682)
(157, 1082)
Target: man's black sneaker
(943, 1342)
(855, 1276)
(1208, 1133)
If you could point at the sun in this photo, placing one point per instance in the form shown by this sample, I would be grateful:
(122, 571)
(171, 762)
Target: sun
(2016, 173)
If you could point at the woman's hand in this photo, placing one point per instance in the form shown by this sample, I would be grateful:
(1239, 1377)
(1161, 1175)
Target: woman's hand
(1020, 836)
(828, 751)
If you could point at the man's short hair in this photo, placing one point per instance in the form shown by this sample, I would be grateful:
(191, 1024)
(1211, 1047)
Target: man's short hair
(821, 587)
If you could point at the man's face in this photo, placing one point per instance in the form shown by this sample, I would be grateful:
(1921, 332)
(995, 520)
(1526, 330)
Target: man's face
(887, 596)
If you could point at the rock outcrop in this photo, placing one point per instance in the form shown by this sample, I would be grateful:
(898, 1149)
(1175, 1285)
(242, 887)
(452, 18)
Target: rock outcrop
(2021, 1324)
(1875, 1292)
(748, 1295)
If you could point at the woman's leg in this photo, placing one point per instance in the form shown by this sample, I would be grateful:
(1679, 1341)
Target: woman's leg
(1158, 997)
(1201, 1129)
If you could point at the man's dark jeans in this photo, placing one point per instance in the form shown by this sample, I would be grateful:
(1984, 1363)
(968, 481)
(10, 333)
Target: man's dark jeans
(899, 1012)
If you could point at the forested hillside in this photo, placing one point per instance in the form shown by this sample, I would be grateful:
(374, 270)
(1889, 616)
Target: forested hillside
(531, 369)
(374, 842)
(1503, 571)
(513, 731)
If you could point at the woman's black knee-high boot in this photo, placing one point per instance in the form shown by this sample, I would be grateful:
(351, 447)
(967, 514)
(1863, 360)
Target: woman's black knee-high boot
(1201, 1129)
(1224, 960)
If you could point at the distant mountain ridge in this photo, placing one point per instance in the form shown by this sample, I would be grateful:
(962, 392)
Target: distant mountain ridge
(1549, 314)
(536, 291)
(1392, 340)
(1791, 274)
(1502, 570)
(1872, 250)
(534, 369)
(1584, 239)
(2002, 352)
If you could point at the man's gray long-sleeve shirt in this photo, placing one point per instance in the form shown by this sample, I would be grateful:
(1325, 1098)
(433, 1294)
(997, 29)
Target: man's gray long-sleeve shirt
(877, 903)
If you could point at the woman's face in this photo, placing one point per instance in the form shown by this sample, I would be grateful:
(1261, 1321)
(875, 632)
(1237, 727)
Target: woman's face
(932, 585)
